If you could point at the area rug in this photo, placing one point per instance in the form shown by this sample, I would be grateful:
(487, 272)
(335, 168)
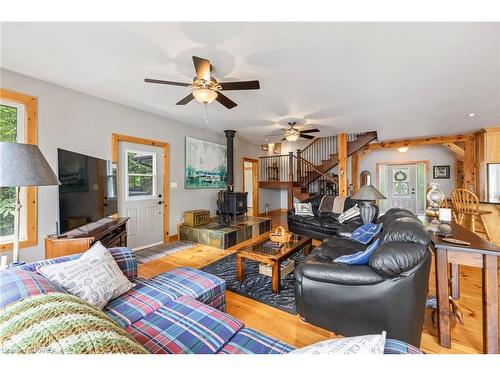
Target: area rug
(155, 252)
(256, 286)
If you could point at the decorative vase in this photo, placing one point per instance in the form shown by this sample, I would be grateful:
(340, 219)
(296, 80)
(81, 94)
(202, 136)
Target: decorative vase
(368, 211)
(434, 199)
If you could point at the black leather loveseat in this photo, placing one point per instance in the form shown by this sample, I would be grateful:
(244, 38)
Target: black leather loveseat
(388, 294)
(321, 225)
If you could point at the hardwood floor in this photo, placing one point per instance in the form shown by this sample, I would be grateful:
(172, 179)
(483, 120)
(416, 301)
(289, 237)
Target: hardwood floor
(466, 338)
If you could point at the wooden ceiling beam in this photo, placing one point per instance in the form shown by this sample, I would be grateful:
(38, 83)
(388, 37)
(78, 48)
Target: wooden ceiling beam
(420, 142)
(456, 149)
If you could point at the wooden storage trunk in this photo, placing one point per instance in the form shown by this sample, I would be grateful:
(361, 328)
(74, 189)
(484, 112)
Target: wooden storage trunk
(196, 218)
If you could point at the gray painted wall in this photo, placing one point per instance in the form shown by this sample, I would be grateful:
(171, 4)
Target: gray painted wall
(82, 123)
(436, 155)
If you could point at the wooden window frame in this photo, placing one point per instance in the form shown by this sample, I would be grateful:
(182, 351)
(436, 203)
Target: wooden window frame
(30, 137)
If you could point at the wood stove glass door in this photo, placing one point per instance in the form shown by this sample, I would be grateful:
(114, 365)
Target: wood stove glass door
(140, 193)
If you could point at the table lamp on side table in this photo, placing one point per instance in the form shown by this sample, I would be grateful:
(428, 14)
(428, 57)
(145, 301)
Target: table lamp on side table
(367, 194)
(23, 165)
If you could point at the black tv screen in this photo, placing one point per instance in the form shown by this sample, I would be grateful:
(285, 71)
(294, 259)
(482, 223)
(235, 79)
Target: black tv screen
(88, 189)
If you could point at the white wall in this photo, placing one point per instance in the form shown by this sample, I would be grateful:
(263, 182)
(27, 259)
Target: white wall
(436, 155)
(78, 122)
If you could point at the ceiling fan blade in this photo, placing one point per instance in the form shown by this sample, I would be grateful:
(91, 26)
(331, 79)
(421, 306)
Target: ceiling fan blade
(306, 136)
(202, 67)
(310, 131)
(225, 101)
(185, 100)
(241, 85)
(149, 80)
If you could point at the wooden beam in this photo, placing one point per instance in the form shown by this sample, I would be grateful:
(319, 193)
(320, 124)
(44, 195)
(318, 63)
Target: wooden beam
(363, 153)
(342, 167)
(456, 149)
(355, 172)
(420, 141)
(469, 166)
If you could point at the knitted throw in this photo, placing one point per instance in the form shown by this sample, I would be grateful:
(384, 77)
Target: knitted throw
(62, 324)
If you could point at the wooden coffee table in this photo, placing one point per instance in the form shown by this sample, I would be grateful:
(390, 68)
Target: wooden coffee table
(257, 253)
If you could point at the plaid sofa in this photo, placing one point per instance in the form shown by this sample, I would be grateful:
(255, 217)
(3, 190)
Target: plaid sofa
(180, 311)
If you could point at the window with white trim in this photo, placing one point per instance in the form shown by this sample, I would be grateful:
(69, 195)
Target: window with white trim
(141, 175)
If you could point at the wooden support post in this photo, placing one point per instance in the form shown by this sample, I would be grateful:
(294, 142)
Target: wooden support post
(355, 172)
(290, 179)
(469, 169)
(299, 171)
(342, 167)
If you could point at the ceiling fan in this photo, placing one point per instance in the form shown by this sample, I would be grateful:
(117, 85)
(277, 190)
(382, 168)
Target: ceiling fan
(291, 134)
(206, 89)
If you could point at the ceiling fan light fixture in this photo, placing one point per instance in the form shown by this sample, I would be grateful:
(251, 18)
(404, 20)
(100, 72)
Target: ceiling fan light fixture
(403, 149)
(205, 95)
(291, 135)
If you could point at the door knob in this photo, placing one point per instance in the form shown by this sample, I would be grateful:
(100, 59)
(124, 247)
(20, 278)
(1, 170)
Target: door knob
(160, 202)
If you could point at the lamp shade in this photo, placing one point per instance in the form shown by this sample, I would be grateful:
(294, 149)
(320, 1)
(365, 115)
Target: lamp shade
(24, 165)
(368, 193)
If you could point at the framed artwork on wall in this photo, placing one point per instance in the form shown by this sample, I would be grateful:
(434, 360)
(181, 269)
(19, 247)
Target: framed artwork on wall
(206, 165)
(441, 172)
(265, 147)
(277, 148)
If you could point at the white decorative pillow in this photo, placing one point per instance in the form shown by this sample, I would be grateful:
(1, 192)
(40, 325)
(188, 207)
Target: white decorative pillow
(94, 277)
(349, 214)
(369, 344)
(303, 209)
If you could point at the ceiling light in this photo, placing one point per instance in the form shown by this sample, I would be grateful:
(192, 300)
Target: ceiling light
(472, 114)
(205, 95)
(292, 134)
(267, 139)
(403, 149)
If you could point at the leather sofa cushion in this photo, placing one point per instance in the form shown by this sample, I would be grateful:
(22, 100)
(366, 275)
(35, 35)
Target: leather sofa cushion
(406, 229)
(316, 269)
(392, 258)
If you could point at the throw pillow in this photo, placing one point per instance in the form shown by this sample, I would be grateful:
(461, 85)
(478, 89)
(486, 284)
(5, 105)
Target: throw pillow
(369, 344)
(359, 258)
(303, 209)
(94, 277)
(326, 204)
(365, 233)
(349, 214)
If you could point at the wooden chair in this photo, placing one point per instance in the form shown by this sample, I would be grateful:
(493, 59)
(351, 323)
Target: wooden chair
(466, 206)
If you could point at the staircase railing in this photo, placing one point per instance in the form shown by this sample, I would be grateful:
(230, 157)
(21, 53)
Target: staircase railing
(322, 148)
(305, 169)
(278, 168)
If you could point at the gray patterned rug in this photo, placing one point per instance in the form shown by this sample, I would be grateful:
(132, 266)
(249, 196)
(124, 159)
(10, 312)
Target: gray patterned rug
(256, 286)
(155, 252)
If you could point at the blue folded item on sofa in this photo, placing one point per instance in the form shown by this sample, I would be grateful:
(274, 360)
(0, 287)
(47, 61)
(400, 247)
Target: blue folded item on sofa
(359, 258)
(365, 233)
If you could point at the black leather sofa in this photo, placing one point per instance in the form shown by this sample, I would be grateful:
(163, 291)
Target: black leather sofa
(321, 225)
(388, 294)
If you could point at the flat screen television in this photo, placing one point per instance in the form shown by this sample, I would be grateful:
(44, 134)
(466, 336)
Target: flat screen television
(88, 189)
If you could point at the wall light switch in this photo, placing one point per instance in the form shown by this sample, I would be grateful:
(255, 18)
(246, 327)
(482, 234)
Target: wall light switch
(173, 185)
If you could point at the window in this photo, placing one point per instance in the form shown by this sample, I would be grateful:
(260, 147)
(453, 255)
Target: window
(17, 124)
(141, 175)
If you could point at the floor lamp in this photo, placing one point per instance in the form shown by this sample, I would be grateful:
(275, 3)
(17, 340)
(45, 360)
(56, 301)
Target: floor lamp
(23, 165)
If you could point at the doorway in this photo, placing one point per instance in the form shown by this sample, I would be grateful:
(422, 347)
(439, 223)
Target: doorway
(251, 184)
(403, 183)
(142, 189)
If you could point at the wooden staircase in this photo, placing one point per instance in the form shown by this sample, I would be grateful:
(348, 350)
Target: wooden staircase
(311, 166)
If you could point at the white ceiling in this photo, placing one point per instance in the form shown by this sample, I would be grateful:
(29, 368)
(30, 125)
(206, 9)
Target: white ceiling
(401, 79)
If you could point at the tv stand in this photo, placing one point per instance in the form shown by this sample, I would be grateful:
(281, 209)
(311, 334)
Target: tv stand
(111, 233)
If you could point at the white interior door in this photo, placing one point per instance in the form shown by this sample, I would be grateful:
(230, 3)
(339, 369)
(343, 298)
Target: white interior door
(402, 186)
(141, 193)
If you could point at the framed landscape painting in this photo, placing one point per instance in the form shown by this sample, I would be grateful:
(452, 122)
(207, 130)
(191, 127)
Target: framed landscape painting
(206, 165)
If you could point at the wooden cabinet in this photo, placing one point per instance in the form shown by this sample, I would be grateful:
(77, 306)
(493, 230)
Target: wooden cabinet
(111, 233)
(487, 151)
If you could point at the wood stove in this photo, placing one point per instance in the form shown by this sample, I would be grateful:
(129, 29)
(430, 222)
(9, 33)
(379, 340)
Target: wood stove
(230, 203)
